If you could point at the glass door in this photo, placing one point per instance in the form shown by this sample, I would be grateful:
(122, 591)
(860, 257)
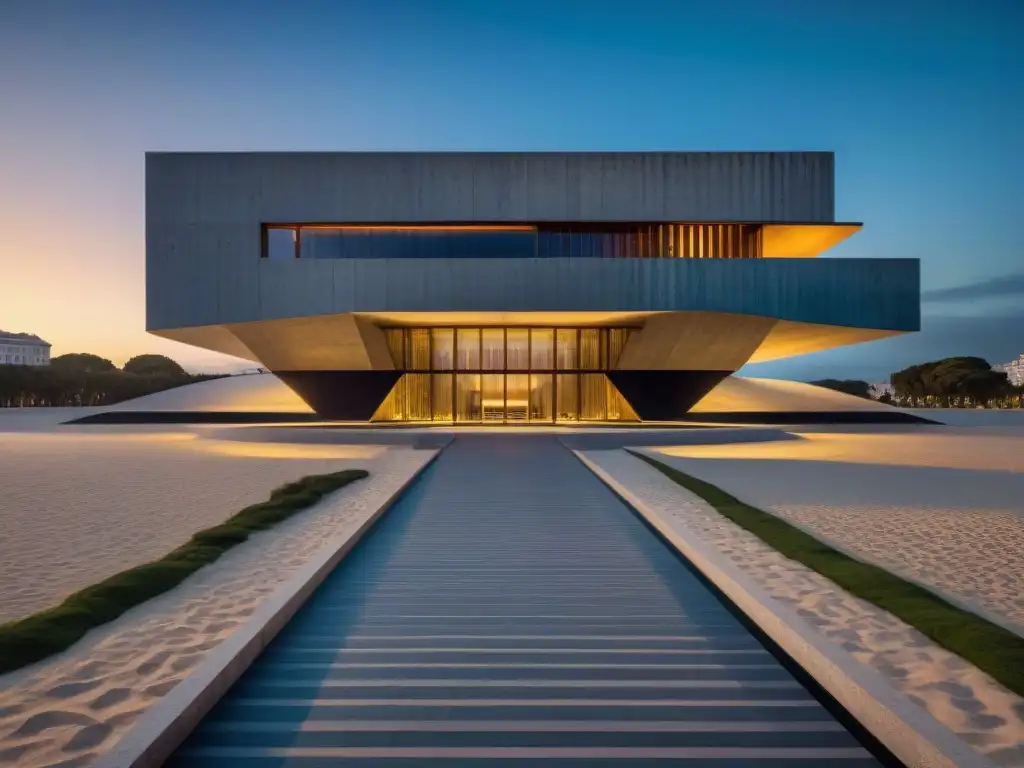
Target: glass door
(517, 397)
(542, 393)
(468, 398)
(493, 397)
(567, 397)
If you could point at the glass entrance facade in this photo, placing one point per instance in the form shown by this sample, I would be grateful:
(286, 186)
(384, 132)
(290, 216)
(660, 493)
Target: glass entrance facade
(513, 375)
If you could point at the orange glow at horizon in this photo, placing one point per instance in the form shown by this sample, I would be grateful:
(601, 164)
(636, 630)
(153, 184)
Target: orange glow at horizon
(81, 286)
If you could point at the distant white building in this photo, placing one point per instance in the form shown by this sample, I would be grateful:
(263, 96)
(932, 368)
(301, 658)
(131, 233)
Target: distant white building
(23, 349)
(1014, 370)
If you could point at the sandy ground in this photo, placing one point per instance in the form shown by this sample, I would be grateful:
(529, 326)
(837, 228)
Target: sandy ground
(265, 392)
(959, 695)
(943, 506)
(252, 392)
(78, 506)
(67, 710)
(742, 393)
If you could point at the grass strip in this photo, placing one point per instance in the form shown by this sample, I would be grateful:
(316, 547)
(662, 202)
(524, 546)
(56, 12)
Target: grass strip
(997, 651)
(43, 634)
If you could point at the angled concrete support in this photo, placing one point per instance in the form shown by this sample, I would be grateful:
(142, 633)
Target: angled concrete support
(341, 395)
(664, 395)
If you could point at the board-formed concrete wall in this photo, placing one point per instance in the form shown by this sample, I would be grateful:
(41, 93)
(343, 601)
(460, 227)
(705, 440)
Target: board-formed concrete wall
(868, 293)
(204, 211)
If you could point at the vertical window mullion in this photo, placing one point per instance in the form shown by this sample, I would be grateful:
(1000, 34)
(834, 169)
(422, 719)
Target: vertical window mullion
(579, 395)
(504, 377)
(455, 368)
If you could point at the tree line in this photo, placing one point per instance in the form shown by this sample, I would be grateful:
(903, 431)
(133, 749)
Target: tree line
(81, 379)
(954, 382)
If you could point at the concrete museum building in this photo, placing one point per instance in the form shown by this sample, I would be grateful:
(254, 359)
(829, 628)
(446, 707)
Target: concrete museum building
(513, 286)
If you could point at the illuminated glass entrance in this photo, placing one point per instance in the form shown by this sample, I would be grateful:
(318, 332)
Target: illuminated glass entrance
(512, 375)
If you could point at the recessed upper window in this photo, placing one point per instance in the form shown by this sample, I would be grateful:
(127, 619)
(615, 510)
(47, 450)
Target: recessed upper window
(281, 242)
(415, 242)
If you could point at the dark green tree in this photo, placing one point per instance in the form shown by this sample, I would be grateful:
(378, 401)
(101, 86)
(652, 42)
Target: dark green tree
(153, 365)
(951, 382)
(81, 362)
(85, 380)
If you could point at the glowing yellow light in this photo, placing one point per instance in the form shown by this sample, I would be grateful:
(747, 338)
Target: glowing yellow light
(289, 450)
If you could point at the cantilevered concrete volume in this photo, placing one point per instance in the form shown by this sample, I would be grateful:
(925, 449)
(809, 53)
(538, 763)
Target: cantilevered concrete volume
(509, 287)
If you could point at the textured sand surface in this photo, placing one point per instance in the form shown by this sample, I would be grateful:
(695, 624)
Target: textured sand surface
(943, 506)
(957, 694)
(739, 393)
(265, 392)
(69, 709)
(79, 506)
(252, 392)
(40, 419)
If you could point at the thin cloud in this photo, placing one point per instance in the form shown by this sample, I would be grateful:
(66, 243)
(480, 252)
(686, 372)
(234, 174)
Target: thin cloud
(996, 287)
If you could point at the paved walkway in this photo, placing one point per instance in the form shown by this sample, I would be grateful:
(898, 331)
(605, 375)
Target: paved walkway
(511, 607)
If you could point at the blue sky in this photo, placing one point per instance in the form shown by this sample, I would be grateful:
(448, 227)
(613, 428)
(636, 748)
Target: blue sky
(923, 103)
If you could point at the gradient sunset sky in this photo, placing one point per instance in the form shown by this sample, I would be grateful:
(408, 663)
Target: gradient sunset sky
(923, 103)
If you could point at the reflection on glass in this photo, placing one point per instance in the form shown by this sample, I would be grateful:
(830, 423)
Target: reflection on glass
(566, 349)
(527, 391)
(384, 242)
(393, 407)
(512, 397)
(417, 350)
(493, 396)
(517, 396)
(617, 338)
(619, 408)
(594, 396)
(441, 396)
(442, 349)
(468, 349)
(517, 345)
(674, 240)
(567, 405)
(467, 387)
(542, 349)
(541, 397)
(280, 243)
(417, 396)
(394, 338)
(493, 349)
(320, 243)
(591, 349)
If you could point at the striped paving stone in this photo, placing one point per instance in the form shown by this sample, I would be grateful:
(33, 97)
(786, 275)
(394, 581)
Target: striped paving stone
(510, 609)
